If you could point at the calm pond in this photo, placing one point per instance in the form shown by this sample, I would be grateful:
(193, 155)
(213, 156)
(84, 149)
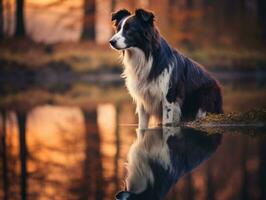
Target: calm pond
(77, 142)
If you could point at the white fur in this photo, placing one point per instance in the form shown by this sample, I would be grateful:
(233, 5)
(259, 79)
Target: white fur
(148, 95)
(143, 117)
(171, 113)
(200, 114)
(119, 38)
(150, 145)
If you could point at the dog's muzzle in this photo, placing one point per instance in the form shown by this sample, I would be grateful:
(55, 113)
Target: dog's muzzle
(112, 42)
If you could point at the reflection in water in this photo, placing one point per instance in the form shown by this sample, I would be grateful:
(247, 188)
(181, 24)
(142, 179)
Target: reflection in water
(4, 155)
(79, 153)
(159, 157)
(56, 145)
(93, 170)
(61, 151)
(21, 117)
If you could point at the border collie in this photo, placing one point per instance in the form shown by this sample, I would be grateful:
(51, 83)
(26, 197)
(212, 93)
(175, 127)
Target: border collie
(163, 82)
(160, 157)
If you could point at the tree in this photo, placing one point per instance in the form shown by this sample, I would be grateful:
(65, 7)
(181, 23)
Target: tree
(4, 156)
(189, 192)
(261, 6)
(162, 15)
(1, 20)
(89, 20)
(244, 190)
(117, 143)
(21, 117)
(262, 167)
(93, 182)
(210, 193)
(20, 27)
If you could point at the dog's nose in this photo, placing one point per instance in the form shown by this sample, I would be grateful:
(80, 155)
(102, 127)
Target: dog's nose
(118, 196)
(123, 195)
(112, 42)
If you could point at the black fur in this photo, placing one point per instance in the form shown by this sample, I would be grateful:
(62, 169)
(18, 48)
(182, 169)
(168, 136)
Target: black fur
(119, 15)
(145, 16)
(193, 87)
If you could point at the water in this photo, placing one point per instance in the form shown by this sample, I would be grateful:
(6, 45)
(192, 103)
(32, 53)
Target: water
(77, 142)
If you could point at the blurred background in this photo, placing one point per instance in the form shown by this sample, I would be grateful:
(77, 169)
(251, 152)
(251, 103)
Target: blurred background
(67, 120)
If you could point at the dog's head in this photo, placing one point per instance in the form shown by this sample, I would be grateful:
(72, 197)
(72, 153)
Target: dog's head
(132, 30)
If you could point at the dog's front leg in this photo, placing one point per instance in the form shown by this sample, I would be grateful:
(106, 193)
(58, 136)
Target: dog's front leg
(171, 113)
(143, 117)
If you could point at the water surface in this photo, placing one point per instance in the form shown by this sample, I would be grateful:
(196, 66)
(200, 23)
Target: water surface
(77, 145)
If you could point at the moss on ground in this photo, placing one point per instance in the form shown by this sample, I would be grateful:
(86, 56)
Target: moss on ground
(251, 122)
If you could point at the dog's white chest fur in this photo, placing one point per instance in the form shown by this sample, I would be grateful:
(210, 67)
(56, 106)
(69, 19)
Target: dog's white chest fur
(148, 93)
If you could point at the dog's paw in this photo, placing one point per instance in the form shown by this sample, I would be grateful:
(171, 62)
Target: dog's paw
(140, 131)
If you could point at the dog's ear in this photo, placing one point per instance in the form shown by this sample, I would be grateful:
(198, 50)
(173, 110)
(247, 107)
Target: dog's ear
(117, 16)
(145, 16)
(124, 195)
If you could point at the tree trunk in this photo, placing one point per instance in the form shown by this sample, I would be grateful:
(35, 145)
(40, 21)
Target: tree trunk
(1, 20)
(88, 31)
(20, 27)
(21, 117)
(113, 4)
(117, 144)
(210, 194)
(190, 4)
(4, 157)
(8, 17)
(162, 16)
(244, 195)
(261, 5)
(262, 167)
(93, 183)
(189, 187)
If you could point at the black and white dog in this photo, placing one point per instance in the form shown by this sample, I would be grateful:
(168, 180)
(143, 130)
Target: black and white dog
(163, 82)
(160, 157)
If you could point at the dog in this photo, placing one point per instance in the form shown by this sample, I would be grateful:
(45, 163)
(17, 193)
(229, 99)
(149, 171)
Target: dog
(163, 82)
(160, 157)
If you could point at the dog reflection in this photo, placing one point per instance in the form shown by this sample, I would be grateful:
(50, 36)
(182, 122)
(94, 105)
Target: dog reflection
(159, 157)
